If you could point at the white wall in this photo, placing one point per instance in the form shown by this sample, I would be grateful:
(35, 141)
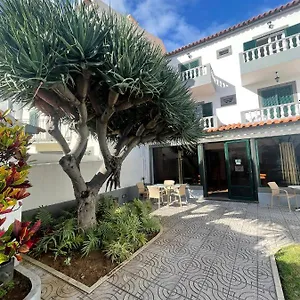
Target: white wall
(228, 68)
(51, 185)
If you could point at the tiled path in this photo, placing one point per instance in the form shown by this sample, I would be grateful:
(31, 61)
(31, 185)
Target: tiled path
(209, 250)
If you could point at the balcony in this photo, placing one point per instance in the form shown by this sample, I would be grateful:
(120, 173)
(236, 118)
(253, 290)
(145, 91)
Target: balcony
(271, 113)
(200, 80)
(261, 63)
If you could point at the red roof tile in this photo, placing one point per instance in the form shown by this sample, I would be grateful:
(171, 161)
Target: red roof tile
(254, 124)
(237, 26)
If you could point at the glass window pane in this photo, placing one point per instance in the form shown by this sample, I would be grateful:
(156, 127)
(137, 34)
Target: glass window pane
(190, 167)
(279, 160)
(165, 164)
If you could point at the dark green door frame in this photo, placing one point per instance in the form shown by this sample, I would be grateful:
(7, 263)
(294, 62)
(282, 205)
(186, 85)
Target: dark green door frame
(202, 168)
(255, 167)
(235, 191)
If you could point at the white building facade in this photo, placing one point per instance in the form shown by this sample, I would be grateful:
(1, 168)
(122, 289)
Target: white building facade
(246, 82)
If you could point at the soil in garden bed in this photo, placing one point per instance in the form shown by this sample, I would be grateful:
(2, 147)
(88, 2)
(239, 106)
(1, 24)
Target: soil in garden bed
(87, 270)
(22, 287)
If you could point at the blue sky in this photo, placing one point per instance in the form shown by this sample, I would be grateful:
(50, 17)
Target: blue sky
(179, 22)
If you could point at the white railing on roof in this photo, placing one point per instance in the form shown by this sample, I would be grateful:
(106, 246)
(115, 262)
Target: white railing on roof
(271, 48)
(271, 113)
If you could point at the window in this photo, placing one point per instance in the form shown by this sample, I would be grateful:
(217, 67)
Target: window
(224, 52)
(279, 160)
(228, 100)
(190, 65)
(277, 95)
(204, 109)
(177, 164)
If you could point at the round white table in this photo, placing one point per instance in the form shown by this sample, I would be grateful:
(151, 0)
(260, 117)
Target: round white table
(168, 189)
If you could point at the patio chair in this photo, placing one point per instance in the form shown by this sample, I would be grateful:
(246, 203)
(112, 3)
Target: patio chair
(180, 192)
(154, 193)
(281, 193)
(143, 192)
(168, 183)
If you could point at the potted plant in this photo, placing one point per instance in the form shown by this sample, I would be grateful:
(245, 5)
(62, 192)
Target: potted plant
(17, 239)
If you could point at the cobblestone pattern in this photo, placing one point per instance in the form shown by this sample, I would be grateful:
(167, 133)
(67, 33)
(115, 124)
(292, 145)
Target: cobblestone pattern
(209, 250)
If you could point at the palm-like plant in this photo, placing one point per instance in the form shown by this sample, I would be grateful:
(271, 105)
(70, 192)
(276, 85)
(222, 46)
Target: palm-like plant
(99, 73)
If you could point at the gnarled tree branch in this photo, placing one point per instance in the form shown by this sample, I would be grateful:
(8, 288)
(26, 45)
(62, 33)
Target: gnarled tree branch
(54, 130)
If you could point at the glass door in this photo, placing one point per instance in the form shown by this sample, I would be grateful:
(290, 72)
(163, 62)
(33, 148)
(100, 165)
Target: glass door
(239, 170)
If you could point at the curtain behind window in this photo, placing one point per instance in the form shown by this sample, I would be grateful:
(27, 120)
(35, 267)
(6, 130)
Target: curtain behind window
(289, 164)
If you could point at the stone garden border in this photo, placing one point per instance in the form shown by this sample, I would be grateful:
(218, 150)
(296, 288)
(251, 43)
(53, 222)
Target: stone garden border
(80, 285)
(277, 282)
(36, 287)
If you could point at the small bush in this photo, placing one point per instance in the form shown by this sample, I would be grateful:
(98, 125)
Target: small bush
(118, 251)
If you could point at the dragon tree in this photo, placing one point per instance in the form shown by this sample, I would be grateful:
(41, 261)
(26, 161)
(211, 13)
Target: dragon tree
(98, 73)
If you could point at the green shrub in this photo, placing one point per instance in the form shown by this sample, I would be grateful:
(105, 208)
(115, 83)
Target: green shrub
(62, 240)
(151, 224)
(121, 230)
(118, 251)
(4, 289)
(105, 205)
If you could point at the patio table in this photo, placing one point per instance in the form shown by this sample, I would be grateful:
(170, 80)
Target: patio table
(168, 188)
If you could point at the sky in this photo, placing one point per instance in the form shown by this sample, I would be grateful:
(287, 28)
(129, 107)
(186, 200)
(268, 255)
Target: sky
(179, 22)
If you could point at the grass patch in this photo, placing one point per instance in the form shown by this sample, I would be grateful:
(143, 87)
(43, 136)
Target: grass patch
(288, 263)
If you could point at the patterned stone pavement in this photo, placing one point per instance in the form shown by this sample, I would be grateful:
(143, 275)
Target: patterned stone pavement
(209, 250)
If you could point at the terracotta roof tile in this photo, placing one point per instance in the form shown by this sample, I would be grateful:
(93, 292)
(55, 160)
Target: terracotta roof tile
(254, 124)
(237, 26)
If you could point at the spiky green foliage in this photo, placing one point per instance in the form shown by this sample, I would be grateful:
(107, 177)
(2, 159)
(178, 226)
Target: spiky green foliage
(121, 231)
(45, 44)
(64, 238)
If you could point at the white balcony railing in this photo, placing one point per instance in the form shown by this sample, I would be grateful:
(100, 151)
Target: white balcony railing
(271, 113)
(45, 136)
(209, 122)
(194, 73)
(281, 45)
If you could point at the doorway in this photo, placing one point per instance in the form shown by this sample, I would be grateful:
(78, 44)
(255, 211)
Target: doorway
(228, 168)
(217, 185)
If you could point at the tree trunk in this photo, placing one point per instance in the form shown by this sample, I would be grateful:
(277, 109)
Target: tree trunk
(86, 212)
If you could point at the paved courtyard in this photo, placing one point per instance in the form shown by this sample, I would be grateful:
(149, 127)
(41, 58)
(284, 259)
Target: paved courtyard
(209, 250)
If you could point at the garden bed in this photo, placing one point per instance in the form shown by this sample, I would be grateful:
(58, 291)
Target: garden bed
(288, 263)
(86, 270)
(85, 258)
(18, 289)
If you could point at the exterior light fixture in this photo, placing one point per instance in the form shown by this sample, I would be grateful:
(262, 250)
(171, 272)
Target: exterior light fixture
(189, 55)
(270, 25)
(276, 77)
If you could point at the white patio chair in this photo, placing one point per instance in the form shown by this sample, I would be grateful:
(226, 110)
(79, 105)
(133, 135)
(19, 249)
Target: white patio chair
(180, 192)
(154, 193)
(168, 183)
(281, 193)
(169, 186)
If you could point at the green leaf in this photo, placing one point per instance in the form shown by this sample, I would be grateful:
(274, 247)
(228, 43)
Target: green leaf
(3, 258)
